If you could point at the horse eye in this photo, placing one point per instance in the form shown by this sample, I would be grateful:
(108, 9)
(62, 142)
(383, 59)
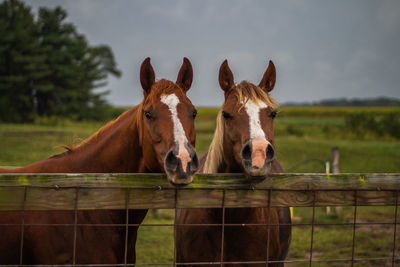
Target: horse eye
(226, 115)
(148, 115)
(194, 114)
(273, 114)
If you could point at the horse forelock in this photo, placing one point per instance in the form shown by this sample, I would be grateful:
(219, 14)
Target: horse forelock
(245, 91)
(216, 150)
(162, 87)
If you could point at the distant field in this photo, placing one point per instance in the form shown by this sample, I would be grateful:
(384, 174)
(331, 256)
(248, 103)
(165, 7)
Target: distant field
(303, 136)
(298, 138)
(316, 111)
(334, 111)
(21, 144)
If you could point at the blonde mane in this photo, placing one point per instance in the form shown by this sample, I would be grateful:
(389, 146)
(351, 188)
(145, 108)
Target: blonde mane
(216, 150)
(244, 91)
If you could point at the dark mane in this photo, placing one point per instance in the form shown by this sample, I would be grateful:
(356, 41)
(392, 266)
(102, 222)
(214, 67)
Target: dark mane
(162, 86)
(104, 130)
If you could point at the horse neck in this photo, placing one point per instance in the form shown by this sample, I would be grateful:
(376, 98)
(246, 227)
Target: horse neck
(114, 148)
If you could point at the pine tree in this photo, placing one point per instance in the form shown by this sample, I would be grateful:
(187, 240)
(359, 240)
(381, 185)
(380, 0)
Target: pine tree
(47, 68)
(77, 69)
(21, 62)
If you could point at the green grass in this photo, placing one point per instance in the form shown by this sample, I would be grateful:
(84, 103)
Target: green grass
(301, 134)
(336, 241)
(22, 144)
(156, 244)
(355, 156)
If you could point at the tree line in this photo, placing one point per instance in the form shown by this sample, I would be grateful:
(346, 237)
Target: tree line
(49, 69)
(355, 102)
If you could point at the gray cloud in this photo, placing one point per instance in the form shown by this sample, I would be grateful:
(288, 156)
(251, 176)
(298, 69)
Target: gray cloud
(320, 48)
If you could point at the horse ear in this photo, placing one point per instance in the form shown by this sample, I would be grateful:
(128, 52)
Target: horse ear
(147, 76)
(185, 75)
(268, 80)
(225, 76)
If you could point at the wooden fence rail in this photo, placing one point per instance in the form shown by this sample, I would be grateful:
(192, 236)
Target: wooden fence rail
(139, 191)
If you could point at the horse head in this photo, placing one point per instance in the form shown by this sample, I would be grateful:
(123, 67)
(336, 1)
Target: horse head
(167, 133)
(247, 114)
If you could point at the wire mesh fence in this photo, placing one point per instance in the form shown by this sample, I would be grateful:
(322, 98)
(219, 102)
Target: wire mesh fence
(366, 233)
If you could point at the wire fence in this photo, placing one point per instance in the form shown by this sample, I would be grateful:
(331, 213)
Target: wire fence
(74, 193)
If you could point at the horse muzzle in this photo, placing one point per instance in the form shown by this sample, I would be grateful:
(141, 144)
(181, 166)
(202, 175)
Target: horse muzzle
(181, 164)
(257, 157)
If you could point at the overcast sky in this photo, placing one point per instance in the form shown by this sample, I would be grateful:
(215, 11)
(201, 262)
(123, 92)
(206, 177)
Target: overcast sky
(321, 49)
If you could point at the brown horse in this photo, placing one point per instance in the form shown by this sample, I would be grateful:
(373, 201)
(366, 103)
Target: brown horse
(243, 143)
(156, 136)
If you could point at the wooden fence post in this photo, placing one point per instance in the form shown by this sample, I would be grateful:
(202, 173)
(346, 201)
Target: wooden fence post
(335, 160)
(335, 155)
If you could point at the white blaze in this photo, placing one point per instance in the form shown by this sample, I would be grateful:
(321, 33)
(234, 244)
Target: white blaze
(257, 135)
(253, 110)
(172, 102)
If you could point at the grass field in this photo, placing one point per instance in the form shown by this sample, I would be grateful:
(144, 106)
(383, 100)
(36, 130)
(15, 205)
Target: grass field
(302, 135)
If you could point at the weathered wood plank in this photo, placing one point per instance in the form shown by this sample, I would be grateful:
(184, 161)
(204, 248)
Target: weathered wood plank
(113, 191)
(11, 198)
(291, 181)
(43, 199)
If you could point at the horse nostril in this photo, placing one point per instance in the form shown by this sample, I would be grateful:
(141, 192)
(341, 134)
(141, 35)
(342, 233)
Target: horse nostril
(246, 152)
(194, 164)
(171, 161)
(270, 152)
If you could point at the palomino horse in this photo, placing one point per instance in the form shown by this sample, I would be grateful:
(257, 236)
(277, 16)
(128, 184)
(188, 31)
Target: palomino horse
(243, 142)
(157, 135)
